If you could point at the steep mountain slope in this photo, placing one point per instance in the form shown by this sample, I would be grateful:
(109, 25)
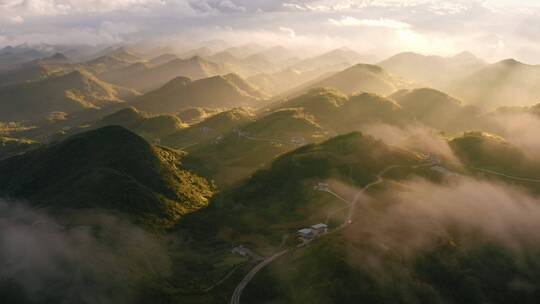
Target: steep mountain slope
(195, 115)
(505, 83)
(436, 109)
(235, 155)
(142, 77)
(12, 57)
(210, 128)
(356, 79)
(150, 127)
(491, 152)
(109, 168)
(36, 70)
(13, 146)
(213, 92)
(112, 60)
(280, 197)
(353, 266)
(341, 114)
(68, 93)
(432, 71)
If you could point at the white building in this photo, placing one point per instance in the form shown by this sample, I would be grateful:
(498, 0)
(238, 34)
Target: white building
(312, 232)
(322, 187)
(319, 229)
(242, 251)
(306, 233)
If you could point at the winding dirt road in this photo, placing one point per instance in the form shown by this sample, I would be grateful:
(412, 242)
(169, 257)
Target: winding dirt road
(235, 299)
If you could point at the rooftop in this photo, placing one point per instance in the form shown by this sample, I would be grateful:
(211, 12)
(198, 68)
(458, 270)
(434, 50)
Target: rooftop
(305, 231)
(319, 226)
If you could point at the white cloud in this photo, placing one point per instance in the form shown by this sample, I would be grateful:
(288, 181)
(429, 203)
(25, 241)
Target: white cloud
(381, 22)
(62, 7)
(289, 31)
(381, 26)
(216, 6)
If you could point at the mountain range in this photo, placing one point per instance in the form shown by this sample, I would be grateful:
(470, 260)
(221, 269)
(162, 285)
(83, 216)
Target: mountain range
(213, 92)
(262, 174)
(67, 93)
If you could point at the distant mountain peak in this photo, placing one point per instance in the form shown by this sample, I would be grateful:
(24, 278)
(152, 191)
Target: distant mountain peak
(369, 67)
(196, 58)
(58, 57)
(465, 55)
(179, 81)
(510, 62)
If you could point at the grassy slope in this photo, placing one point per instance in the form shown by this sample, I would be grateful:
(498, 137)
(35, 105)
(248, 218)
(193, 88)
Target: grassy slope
(142, 77)
(13, 146)
(450, 272)
(339, 113)
(357, 79)
(108, 168)
(235, 157)
(213, 92)
(209, 128)
(71, 92)
(436, 109)
(275, 197)
(505, 83)
(486, 151)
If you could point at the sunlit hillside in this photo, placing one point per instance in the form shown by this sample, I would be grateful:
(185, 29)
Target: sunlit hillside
(269, 152)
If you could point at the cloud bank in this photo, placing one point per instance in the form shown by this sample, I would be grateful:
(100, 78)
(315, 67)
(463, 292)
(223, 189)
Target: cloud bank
(103, 262)
(493, 29)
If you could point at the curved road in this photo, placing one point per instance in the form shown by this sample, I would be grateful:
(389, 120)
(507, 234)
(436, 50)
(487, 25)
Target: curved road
(235, 299)
(380, 179)
(522, 179)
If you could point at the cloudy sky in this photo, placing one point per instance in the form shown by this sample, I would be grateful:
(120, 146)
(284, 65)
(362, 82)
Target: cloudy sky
(493, 29)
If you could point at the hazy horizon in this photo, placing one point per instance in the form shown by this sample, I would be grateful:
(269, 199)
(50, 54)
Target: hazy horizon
(493, 30)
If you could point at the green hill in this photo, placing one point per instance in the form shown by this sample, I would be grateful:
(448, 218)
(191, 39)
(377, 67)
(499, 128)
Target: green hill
(144, 78)
(13, 146)
(350, 267)
(490, 152)
(214, 92)
(505, 83)
(68, 93)
(110, 61)
(108, 168)
(432, 71)
(237, 154)
(278, 199)
(210, 128)
(341, 114)
(356, 79)
(436, 109)
(195, 115)
(151, 127)
(35, 70)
